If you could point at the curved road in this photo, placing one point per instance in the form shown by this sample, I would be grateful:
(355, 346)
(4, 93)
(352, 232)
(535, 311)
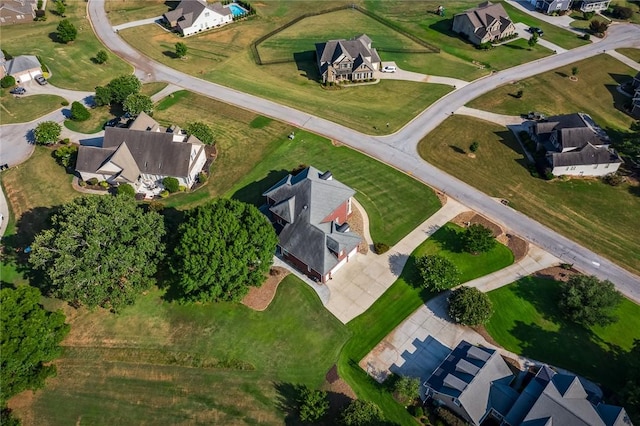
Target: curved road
(400, 149)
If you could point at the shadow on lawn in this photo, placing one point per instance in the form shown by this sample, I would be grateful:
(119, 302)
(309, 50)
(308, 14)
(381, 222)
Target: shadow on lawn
(252, 193)
(306, 64)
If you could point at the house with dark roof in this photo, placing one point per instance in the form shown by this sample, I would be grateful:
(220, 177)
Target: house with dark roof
(473, 382)
(193, 16)
(552, 398)
(352, 60)
(575, 145)
(594, 5)
(635, 101)
(142, 156)
(309, 211)
(486, 23)
(17, 11)
(23, 68)
(552, 6)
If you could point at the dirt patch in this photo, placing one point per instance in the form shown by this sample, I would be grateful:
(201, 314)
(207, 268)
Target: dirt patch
(517, 245)
(441, 197)
(259, 298)
(356, 224)
(556, 273)
(471, 155)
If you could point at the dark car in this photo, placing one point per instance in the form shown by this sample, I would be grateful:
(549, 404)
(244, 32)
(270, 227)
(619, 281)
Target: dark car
(18, 90)
(536, 30)
(41, 80)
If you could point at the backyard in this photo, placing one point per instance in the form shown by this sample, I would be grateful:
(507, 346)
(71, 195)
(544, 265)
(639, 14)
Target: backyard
(528, 322)
(580, 209)
(553, 93)
(71, 65)
(22, 109)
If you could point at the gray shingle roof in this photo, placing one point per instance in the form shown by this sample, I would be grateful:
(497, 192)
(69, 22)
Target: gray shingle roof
(330, 51)
(485, 15)
(22, 63)
(305, 201)
(190, 10)
(587, 155)
(572, 130)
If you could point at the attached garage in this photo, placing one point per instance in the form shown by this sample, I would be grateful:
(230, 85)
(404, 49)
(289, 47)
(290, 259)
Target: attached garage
(23, 68)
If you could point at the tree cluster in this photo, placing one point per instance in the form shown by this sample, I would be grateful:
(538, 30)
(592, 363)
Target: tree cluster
(136, 103)
(171, 184)
(588, 301)
(224, 248)
(7, 81)
(470, 306)
(437, 272)
(66, 31)
(117, 90)
(100, 251)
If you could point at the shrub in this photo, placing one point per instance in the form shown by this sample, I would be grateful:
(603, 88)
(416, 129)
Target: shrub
(588, 15)
(66, 155)
(588, 301)
(202, 177)
(164, 194)
(7, 81)
(182, 188)
(548, 175)
(621, 12)
(126, 189)
(598, 27)
(478, 239)
(171, 184)
(406, 389)
(313, 405)
(79, 112)
(66, 31)
(613, 179)
(449, 417)
(417, 411)
(474, 146)
(470, 306)
(437, 272)
(566, 266)
(586, 36)
(93, 181)
(65, 141)
(64, 103)
(104, 184)
(101, 57)
(380, 248)
(82, 183)
(47, 132)
(520, 93)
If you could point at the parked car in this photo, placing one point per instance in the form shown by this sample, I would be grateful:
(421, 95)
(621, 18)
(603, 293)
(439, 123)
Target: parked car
(41, 80)
(18, 90)
(536, 30)
(389, 68)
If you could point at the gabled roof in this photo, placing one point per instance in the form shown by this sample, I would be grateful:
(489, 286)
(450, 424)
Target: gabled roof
(477, 377)
(585, 156)
(304, 202)
(22, 63)
(144, 122)
(187, 11)
(486, 14)
(573, 130)
(331, 51)
(16, 10)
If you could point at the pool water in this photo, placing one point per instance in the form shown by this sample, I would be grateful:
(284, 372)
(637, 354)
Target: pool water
(237, 10)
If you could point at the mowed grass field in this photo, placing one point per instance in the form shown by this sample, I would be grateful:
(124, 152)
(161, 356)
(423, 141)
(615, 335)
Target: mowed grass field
(528, 322)
(22, 109)
(598, 216)
(70, 64)
(161, 363)
(631, 53)
(553, 93)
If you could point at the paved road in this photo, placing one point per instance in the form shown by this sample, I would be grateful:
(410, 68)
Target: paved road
(400, 149)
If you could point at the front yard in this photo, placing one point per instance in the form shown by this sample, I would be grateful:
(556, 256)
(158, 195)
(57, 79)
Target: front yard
(22, 109)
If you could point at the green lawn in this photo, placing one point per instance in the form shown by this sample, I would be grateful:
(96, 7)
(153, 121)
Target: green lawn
(581, 23)
(164, 363)
(633, 4)
(95, 123)
(631, 53)
(122, 11)
(26, 108)
(581, 209)
(528, 322)
(70, 64)
(553, 93)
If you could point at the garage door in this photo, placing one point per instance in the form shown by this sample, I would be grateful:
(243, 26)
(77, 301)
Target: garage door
(22, 78)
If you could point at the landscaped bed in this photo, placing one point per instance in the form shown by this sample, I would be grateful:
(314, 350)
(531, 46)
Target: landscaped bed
(581, 209)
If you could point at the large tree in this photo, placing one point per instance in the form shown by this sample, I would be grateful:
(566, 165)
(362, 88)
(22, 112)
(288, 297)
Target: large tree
(123, 86)
(630, 393)
(478, 239)
(224, 247)
(469, 306)
(437, 272)
(30, 338)
(312, 405)
(181, 49)
(588, 301)
(47, 132)
(201, 131)
(66, 31)
(102, 96)
(136, 103)
(100, 251)
(362, 413)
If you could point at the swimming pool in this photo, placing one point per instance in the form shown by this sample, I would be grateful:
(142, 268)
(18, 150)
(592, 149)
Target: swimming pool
(237, 10)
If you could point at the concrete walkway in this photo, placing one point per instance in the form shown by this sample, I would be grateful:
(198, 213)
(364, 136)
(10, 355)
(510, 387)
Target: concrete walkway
(624, 59)
(364, 279)
(401, 74)
(171, 88)
(504, 120)
(147, 21)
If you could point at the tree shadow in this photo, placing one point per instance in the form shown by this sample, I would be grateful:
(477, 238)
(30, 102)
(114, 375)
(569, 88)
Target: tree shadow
(619, 100)
(287, 401)
(305, 62)
(634, 190)
(164, 277)
(561, 74)
(252, 193)
(449, 239)
(457, 149)
(621, 78)
(170, 54)
(514, 46)
(172, 4)
(53, 36)
(397, 262)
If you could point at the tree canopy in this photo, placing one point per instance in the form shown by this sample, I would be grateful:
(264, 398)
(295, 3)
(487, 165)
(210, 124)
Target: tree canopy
(201, 131)
(100, 251)
(30, 337)
(312, 404)
(362, 413)
(224, 247)
(478, 239)
(470, 306)
(588, 301)
(102, 57)
(136, 103)
(181, 49)
(66, 31)
(79, 112)
(47, 132)
(437, 272)
(102, 96)
(123, 86)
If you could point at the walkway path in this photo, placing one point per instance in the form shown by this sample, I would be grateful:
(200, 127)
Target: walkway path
(365, 278)
(504, 120)
(171, 88)
(138, 23)
(624, 59)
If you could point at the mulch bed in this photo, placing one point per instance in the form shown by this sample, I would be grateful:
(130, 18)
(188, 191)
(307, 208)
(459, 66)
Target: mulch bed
(356, 223)
(556, 273)
(338, 391)
(259, 298)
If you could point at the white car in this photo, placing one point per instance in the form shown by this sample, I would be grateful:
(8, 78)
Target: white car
(389, 68)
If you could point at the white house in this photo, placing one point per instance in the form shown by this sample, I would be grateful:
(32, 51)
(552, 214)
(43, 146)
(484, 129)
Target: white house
(193, 16)
(142, 156)
(575, 146)
(594, 5)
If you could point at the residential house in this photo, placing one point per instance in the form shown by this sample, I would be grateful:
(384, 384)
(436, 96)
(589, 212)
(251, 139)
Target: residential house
(594, 5)
(635, 102)
(309, 211)
(22, 68)
(552, 6)
(142, 156)
(193, 16)
(473, 382)
(351, 60)
(486, 23)
(552, 398)
(575, 145)
(17, 11)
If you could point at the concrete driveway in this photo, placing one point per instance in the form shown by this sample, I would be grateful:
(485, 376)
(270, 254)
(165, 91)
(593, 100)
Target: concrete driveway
(523, 32)
(401, 74)
(154, 20)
